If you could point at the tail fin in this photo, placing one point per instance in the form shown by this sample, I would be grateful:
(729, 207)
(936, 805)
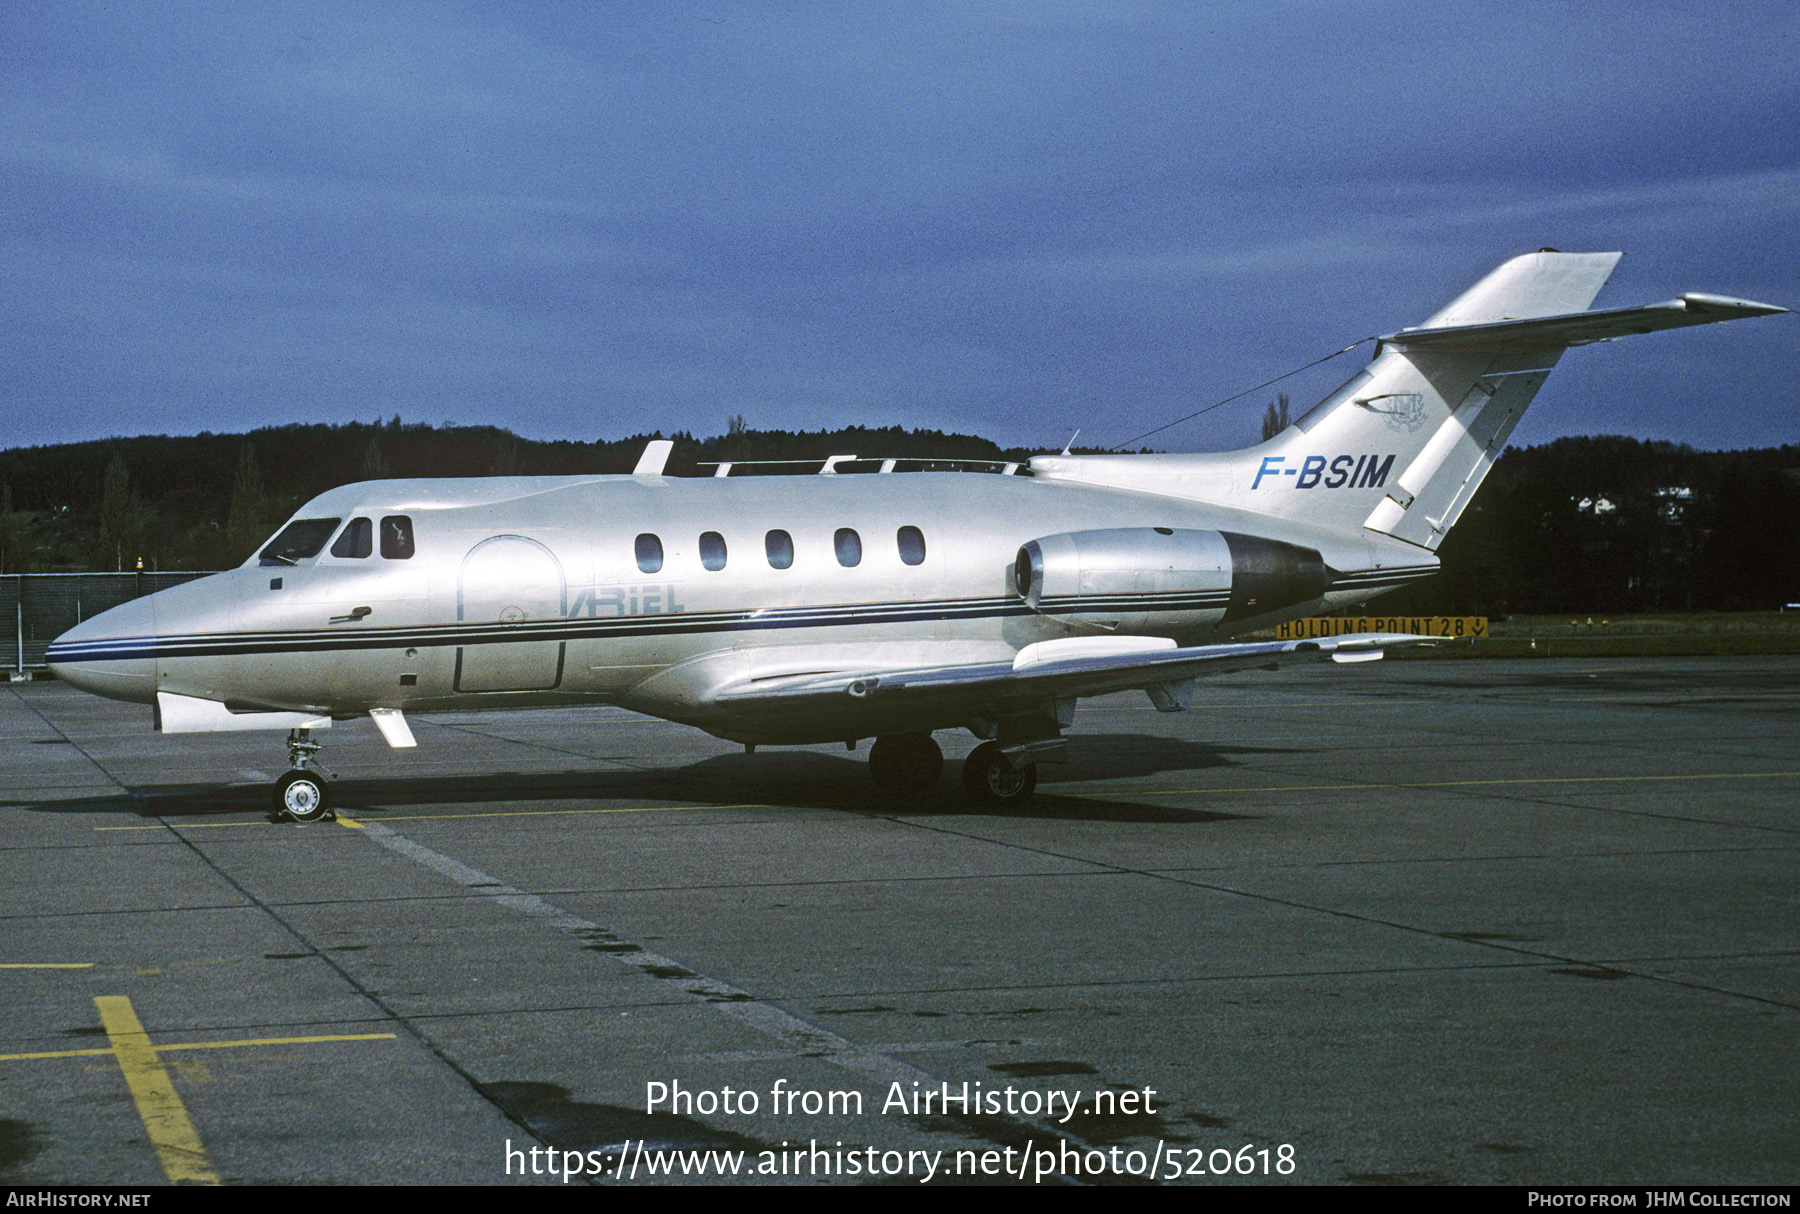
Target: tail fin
(1401, 448)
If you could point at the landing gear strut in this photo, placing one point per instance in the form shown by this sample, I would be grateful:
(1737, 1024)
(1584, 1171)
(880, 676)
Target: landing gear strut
(993, 779)
(908, 764)
(302, 794)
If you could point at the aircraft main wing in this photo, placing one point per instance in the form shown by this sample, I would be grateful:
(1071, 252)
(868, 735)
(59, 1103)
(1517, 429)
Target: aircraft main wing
(1580, 328)
(1038, 673)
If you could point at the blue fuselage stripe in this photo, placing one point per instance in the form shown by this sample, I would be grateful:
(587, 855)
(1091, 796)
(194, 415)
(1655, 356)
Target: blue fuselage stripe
(779, 618)
(313, 641)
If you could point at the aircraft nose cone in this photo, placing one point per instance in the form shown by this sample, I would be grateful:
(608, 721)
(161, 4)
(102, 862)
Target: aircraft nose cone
(112, 654)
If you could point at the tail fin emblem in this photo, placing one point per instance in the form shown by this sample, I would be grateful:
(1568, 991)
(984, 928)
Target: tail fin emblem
(1403, 413)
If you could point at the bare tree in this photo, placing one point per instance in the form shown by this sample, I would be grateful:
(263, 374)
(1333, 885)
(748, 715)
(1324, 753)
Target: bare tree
(1276, 419)
(375, 466)
(115, 511)
(737, 437)
(12, 559)
(244, 524)
(505, 460)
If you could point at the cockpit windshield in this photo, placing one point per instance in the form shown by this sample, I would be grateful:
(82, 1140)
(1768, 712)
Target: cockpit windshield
(298, 540)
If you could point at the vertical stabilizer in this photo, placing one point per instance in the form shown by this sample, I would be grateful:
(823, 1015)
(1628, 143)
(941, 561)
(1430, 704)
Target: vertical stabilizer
(1401, 447)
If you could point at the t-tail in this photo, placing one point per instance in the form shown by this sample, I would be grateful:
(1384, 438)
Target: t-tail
(1402, 447)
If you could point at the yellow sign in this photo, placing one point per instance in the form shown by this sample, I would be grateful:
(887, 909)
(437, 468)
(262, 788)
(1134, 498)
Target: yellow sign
(1418, 625)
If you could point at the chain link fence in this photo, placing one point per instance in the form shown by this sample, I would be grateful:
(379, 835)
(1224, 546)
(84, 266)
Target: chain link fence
(39, 607)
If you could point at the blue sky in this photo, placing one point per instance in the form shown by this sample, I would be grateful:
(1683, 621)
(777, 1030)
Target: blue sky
(587, 221)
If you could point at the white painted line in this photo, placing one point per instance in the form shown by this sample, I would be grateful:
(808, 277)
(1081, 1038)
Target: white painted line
(725, 998)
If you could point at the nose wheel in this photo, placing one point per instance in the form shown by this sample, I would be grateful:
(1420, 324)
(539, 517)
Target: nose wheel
(302, 794)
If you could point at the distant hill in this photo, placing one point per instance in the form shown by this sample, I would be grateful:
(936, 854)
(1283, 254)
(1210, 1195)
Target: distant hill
(1580, 524)
(206, 501)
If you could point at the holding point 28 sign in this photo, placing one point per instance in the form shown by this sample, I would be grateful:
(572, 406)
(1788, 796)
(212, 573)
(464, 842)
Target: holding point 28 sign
(1451, 626)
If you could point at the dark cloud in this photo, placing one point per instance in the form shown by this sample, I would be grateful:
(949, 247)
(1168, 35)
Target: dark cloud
(1011, 218)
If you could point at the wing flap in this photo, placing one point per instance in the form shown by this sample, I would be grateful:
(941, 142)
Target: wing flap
(1056, 678)
(1581, 328)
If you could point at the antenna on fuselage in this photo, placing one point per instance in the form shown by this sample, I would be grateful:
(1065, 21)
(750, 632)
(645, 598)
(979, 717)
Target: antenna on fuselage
(1071, 441)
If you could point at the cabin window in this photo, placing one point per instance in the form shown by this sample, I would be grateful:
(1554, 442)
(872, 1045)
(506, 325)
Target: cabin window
(649, 553)
(298, 540)
(780, 547)
(849, 547)
(712, 550)
(357, 539)
(912, 545)
(397, 537)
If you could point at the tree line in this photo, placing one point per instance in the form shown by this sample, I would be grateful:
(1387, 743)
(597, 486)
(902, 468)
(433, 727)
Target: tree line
(1578, 525)
(207, 501)
(1622, 525)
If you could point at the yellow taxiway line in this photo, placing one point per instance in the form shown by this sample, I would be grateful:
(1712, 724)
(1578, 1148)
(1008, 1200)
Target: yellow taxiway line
(205, 1045)
(539, 813)
(171, 1130)
(504, 813)
(1075, 792)
(172, 1133)
(1184, 792)
(46, 965)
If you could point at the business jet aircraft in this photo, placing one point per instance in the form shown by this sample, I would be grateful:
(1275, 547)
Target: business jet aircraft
(826, 608)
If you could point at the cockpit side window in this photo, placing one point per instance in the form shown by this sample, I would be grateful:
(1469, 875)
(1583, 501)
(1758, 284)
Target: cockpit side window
(298, 540)
(396, 537)
(357, 540)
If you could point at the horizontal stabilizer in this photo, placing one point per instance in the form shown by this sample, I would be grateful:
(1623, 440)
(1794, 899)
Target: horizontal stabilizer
(1580, 328)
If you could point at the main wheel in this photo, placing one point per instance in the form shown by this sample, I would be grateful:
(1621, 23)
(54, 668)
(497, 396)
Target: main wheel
(993, 779)
(302, 795)
(906, 763)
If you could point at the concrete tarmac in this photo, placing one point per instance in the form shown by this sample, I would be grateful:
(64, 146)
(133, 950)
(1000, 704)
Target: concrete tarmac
(1471, 922)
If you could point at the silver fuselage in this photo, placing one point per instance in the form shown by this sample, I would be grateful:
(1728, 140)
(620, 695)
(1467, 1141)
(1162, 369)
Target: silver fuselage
(519, 591)
(527, 591)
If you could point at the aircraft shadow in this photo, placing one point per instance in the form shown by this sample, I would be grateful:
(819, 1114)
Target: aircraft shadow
(798, 779)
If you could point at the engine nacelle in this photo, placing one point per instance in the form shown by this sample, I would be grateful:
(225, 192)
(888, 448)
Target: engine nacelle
(1158, 579)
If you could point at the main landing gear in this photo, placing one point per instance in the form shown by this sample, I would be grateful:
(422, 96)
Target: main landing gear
(993, 779)
(910, 765)
(303, 794)
(907, 764)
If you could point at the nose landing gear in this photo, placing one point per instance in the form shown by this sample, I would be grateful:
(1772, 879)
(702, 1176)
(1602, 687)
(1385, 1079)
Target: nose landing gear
(303, 794)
